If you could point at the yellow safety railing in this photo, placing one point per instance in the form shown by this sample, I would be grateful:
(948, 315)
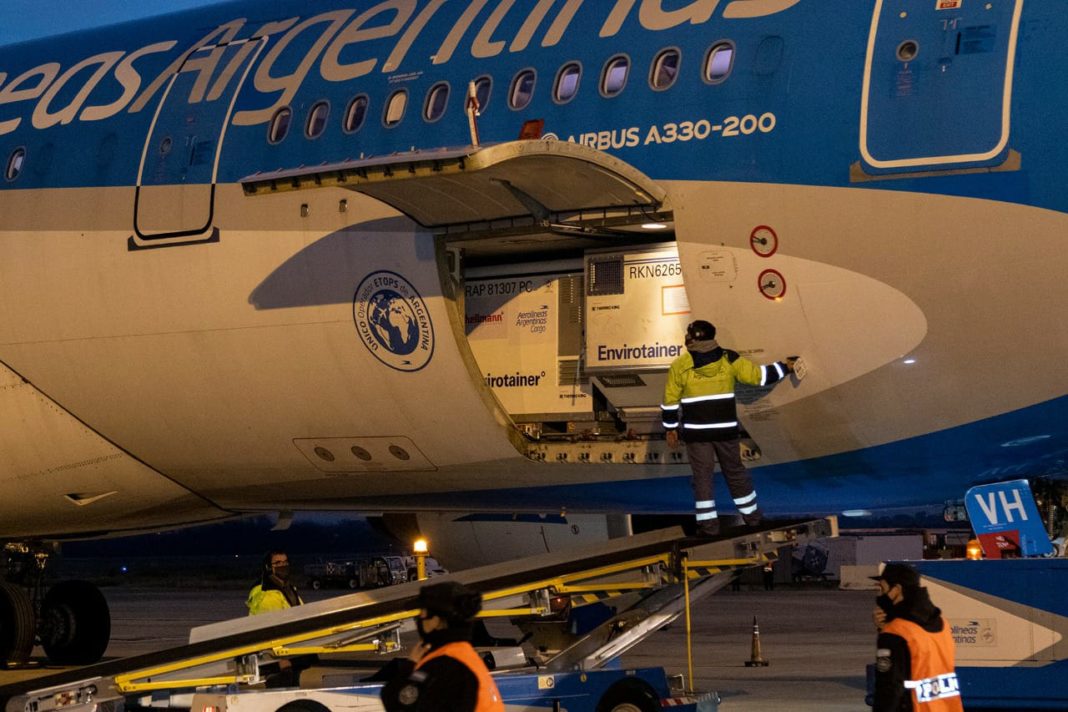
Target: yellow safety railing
(660, 571)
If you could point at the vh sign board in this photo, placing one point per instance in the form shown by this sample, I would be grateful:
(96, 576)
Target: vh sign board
(1006, 520)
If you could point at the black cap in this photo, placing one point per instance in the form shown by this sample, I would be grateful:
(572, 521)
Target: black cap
(700, 330)
(895, 574)
(451, 600)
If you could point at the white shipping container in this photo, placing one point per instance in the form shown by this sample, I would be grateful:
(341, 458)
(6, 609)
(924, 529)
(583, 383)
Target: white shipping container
(513, 325)
(636, 309)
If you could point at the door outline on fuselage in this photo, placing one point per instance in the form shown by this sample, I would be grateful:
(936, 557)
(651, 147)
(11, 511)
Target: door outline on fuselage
(921, 162)
(206, 232)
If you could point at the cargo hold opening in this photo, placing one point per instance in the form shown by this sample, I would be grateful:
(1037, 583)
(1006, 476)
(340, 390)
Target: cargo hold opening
(575, 346)
(568, 280)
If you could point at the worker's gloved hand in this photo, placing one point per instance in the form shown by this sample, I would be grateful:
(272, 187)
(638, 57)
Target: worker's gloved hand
(672, 438)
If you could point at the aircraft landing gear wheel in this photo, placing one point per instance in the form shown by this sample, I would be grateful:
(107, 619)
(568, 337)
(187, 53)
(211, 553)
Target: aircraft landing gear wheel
(354, 583)
(75, 623)
(316, 584)
(17, 626)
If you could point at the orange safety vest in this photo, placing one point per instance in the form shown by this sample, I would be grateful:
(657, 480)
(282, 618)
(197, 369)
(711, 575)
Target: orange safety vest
(932, 682)
(489, 698)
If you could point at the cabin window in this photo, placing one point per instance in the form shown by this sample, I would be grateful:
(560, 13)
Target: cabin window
(317, 117)
(522, 89)
(395, 107)
(719, 62)
(665, 69)
(355, 114)
(14, 163)
(567, 82)
(482, 91)
(436, 101)
(614, 78)
(279, 126)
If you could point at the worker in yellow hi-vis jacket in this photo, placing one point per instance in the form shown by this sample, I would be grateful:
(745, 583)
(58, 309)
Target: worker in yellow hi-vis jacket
(274, 592)
(699, 401)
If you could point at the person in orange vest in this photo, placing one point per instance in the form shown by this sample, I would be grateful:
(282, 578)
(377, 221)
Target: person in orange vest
(914, 661)
(443, 673)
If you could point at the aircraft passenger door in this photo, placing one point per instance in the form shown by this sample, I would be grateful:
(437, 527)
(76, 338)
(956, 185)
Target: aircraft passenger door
(175, 196)
(937, 86)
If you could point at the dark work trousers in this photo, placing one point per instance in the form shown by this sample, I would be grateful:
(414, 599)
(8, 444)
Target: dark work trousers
(703, 456)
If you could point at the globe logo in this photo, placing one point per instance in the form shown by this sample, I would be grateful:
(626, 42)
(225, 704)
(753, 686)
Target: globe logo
(393, 321)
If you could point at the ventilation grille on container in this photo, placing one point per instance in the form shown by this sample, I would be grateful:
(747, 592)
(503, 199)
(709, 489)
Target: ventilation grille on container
(605, 276)
(570, 373)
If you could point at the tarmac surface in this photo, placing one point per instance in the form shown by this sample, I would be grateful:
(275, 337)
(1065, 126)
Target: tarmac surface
(817, 640)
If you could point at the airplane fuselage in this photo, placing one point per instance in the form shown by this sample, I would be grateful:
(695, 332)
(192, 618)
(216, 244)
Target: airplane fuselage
(189, 283)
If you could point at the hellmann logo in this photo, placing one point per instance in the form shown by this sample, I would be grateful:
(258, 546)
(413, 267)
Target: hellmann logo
(514, 380)
(476, 319)
(642, 351)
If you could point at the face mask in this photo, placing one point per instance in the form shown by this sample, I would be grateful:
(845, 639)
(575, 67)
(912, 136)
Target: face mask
(281, 572)
(423, 633)
(884, 602)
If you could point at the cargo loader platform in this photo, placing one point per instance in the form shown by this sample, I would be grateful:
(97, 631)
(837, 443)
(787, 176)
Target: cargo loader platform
(641, 582)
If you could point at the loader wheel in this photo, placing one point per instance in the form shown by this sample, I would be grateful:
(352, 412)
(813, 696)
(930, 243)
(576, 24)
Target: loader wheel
(303, 706)
(316, 584)
(75, 623)
(17, 625)
(629, 696)
(354, 583)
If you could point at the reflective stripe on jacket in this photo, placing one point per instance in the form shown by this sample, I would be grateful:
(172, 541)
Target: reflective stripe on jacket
(489, 699)
(701, 400)
(932, 681)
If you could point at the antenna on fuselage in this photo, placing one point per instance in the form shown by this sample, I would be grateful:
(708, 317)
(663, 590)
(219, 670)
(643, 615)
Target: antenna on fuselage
(471, 108)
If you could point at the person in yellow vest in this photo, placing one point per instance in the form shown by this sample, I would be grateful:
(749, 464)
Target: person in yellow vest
(914, 660)
(274, 592)
(699, 402)
(443, 672)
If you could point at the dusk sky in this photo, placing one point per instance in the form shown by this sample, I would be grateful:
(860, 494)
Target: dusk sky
(29, 19)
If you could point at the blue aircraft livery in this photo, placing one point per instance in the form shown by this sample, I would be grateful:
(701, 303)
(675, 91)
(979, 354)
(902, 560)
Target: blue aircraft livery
(237, 242)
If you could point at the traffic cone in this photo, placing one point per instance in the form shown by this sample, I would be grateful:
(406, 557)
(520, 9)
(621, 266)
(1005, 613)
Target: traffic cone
(755, 659)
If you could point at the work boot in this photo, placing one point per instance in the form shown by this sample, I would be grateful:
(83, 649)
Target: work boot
(754, 520)
(708, 528)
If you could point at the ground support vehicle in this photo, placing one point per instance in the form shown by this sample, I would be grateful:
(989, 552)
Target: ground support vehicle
(333, 573)
(641, 690)
(367, 572)
(579, 611)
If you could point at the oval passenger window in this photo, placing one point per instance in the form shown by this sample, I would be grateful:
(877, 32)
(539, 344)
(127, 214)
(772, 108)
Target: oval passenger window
(317, 120)
(567, 82)
(719, 62)
(436, 100)
(356, 114)
(615, 76)
(522, 89)
(482, 91)
(665, 69)
(14, 163)
(395, 108)
(279, 126)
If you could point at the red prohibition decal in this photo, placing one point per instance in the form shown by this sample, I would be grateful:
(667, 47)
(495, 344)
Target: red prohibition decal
(763, 240)
(772, 284)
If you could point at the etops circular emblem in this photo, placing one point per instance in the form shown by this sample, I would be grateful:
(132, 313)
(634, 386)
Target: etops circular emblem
(393, 321)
